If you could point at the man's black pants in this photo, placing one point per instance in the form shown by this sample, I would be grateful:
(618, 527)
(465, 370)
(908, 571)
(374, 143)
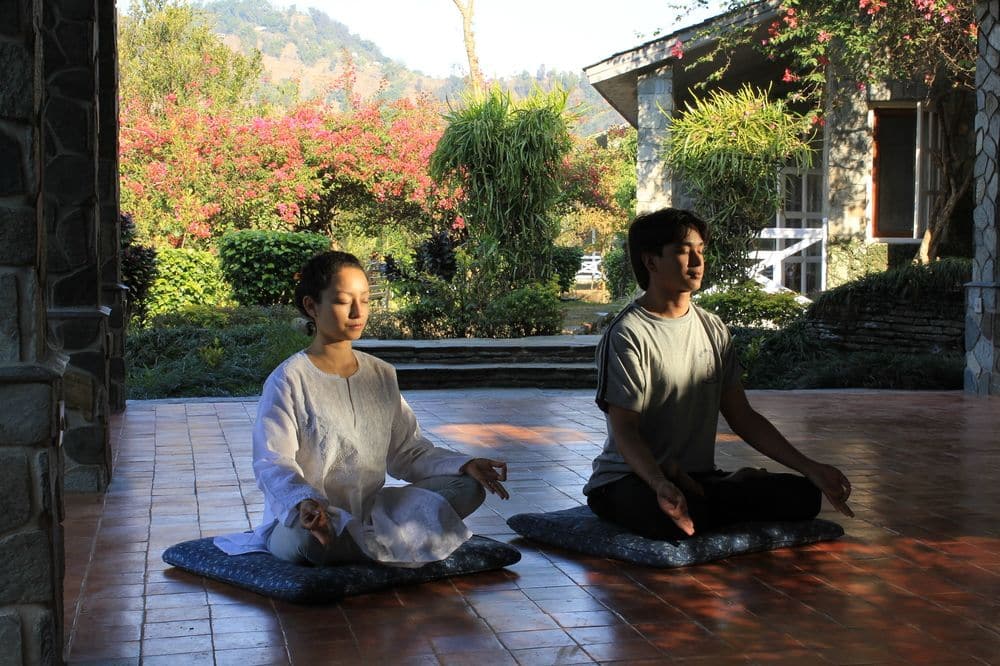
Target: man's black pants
(631, 503)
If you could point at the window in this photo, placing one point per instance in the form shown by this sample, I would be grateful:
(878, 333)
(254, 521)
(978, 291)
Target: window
(803, 209)
(904, 178)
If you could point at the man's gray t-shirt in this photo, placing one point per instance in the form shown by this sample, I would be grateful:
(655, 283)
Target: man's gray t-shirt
(672, 373)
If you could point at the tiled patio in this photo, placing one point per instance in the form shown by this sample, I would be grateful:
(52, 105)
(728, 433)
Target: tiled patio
(916, 579)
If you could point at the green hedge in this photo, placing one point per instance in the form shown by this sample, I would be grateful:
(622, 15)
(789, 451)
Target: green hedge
(261, 265)
(186, 278)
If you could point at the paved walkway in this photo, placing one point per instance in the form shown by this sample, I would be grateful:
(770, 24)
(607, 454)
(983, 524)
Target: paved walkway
(916, 579)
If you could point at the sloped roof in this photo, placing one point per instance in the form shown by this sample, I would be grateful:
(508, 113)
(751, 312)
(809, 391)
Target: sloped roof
(616, 78)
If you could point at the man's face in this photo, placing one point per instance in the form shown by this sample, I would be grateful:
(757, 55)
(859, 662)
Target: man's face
(679, 267)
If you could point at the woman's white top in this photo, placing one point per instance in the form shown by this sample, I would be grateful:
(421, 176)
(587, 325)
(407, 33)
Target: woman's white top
(333, 439)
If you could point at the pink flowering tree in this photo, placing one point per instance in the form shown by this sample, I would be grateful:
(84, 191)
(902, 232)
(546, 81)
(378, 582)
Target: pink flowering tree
(192, 172)
(873, 42)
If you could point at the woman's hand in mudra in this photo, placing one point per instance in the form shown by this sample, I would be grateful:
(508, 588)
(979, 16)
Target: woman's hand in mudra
(489, 473)
(313, 517)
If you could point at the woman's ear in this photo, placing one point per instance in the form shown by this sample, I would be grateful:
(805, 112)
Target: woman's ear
(309, 305)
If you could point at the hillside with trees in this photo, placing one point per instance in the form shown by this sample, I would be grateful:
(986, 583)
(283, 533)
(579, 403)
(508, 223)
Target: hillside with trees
(306, 54)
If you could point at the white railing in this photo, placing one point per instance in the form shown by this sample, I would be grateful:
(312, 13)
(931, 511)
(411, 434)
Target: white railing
(590, 269)
(772, 258)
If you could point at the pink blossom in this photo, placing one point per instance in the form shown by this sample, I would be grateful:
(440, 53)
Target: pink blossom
(677, 49)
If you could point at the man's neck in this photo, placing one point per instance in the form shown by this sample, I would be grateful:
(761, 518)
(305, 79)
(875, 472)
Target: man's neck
(669, 305)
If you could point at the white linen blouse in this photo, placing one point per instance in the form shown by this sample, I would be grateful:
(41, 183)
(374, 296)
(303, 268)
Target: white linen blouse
(333, 439)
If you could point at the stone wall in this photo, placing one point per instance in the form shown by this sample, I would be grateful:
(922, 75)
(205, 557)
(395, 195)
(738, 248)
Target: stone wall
(982, 322)
(31, 537)
(908, 327)
(655, 92)
(76, 239)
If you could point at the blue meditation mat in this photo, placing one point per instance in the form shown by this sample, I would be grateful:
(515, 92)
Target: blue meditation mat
(265, 574)
(580, 530)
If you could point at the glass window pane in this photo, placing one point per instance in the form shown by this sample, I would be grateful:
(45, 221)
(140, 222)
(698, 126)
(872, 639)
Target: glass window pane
(793, 192)
(793, 275)
(812, 278)
(814, 193)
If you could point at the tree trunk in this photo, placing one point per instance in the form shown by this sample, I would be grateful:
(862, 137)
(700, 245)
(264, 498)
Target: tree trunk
(475, 74)
(955, 164)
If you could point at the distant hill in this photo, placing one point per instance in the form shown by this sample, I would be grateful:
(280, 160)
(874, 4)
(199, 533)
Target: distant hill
(311, 50)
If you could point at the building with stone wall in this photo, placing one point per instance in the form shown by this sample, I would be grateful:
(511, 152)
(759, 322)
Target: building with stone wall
(61, 367)
(865, 203)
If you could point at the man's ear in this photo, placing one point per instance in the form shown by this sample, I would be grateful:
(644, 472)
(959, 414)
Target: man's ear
(649, 261)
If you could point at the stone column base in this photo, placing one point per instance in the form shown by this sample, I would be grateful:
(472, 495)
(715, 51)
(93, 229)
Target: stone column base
(982, 338)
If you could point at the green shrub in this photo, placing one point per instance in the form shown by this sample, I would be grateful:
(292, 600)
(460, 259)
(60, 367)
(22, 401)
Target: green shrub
(531, 310)
(793, 358)
(210, 316)
(618, 273)
(261, 265)
(187, 278)
(748, 305)
(939, 280)
(385, 325)
(138, 270)
(188, 361)
(565, 266)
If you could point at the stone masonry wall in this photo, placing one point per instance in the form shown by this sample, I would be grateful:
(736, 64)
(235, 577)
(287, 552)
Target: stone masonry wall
(31, 537)
(982, 320)
(654, 188)
(73, 222)
(910, 327)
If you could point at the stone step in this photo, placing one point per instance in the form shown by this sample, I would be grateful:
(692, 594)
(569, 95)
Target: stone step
(496, 375)
(542, 349)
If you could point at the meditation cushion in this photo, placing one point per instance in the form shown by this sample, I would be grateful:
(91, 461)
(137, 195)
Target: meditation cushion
(265, 574)
(580, 530)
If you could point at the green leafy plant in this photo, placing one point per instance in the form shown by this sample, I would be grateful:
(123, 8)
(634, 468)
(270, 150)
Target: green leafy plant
(747, 305)
(261, 265)
(565, 265)
(618, 272)
(530, 310)
(939, 280)
(185, 278)
(138, 264)
(507, 156)
(728, 149)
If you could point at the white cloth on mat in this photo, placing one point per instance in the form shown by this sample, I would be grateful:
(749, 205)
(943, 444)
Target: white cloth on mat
(333, 439)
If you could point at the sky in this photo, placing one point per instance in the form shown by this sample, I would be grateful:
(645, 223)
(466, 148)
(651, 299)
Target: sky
(511, 35)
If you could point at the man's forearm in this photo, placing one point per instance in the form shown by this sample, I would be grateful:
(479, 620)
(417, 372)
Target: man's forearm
(761, 434)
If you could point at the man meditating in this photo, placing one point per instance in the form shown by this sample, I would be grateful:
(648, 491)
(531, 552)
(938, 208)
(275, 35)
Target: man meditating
(665, 370)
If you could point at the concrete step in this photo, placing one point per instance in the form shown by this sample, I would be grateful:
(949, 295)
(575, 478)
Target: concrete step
(542, 349)
(543, 362)
(496, 375)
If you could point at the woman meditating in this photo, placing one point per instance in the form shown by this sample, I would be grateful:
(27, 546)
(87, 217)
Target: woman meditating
(330, 424)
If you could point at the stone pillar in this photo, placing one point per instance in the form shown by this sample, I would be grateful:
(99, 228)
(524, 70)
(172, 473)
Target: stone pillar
(655, 91)
(113, 291)
(31, 537)
(72, 215)
(982, 314)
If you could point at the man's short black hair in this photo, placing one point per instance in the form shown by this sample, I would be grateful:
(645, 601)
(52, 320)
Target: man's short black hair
(649, 232)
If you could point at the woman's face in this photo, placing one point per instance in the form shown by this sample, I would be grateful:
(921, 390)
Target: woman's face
(342, 310)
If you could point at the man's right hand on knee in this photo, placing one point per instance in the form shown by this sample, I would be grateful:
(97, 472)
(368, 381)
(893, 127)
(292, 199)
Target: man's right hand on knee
(674, 504)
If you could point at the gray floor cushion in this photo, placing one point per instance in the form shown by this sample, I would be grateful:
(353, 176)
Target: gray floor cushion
(265, 574)
(580, 530)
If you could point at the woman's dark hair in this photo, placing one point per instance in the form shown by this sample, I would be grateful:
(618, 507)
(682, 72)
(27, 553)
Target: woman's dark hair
(316, 274)
(651, 231)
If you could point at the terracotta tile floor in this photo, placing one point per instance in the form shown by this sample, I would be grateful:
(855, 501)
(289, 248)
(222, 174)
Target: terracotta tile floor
(916, 579)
